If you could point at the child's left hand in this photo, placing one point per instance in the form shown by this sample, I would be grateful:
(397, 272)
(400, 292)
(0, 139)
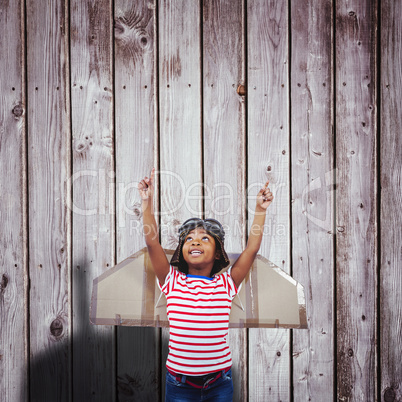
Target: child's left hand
(264, 197)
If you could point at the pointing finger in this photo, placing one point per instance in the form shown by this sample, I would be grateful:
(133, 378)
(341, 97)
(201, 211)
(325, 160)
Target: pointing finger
(152, 176)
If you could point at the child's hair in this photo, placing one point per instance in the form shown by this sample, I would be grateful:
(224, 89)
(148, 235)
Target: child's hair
(212, 227)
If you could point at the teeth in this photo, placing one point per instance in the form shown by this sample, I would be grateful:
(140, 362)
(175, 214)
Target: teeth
(195, 252)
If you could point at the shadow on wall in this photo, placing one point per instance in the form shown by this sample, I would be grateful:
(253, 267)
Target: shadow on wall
(92, 351)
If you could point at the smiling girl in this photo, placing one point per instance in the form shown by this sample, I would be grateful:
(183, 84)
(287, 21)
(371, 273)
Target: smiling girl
(199, 298)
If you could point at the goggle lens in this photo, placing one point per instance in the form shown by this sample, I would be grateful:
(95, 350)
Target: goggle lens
(211, 225)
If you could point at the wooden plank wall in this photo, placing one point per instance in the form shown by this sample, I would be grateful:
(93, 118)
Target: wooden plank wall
(93, 234)
(312, 172)
(49, 218)
(390, 224)
(356, 198)
(94, 94)
(13, 207)
(138, 359)
(268, 158)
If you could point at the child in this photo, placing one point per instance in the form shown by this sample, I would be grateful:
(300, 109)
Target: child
(198, 300)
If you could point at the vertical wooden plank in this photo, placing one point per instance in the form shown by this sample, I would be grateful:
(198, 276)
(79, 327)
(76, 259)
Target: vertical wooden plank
(268, 158)
(49, 217)
(93, 200)
(13, 236)
(180, 111)
(224, 143)
(391, 196)
(313, 195)
(356, 199)
(180, 121)
(138, 359)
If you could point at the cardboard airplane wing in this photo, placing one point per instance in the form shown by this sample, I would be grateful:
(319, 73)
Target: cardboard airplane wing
(128, 295)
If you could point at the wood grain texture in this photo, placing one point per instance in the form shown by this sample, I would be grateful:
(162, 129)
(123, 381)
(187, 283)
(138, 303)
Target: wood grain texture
(223, 118)
(391, 199)
(313, 196)
(224, 143)
(203, 139)
(180, 122)
(13, 236)
(138, 360)
(356, 200)
(93, 193)
(180, 113)
(49, 217)
(268, 159)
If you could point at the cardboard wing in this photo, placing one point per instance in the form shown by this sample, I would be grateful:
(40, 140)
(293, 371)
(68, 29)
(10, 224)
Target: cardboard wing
(128, 295)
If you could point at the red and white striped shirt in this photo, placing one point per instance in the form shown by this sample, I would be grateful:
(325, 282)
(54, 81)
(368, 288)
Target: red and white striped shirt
(198, 310)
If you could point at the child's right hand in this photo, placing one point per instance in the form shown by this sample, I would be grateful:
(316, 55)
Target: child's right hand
(146, 186)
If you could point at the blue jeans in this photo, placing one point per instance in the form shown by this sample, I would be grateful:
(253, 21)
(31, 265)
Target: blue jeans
(220, 390)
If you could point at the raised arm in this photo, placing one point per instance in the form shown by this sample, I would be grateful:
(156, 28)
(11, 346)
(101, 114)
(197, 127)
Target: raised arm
(155, 250)
(244, 262)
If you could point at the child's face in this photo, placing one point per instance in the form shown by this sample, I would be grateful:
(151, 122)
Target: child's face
(199, 248)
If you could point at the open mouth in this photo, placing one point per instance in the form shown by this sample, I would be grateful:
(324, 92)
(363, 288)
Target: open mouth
(195, 252)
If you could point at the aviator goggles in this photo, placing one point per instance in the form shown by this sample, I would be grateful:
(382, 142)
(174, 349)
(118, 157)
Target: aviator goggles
(210, 225)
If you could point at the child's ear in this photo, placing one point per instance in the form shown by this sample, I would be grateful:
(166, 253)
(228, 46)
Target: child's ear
(218, 254)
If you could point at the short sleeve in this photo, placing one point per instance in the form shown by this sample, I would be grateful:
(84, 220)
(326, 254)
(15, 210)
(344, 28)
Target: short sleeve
(167, 286)
(229, 284)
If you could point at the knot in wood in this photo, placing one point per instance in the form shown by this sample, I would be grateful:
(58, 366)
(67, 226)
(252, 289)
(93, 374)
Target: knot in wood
(56, 328)
(350, 352)
(3, 283)
(18, 110)
(81, 146)
(389, 395)
(127, 384)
